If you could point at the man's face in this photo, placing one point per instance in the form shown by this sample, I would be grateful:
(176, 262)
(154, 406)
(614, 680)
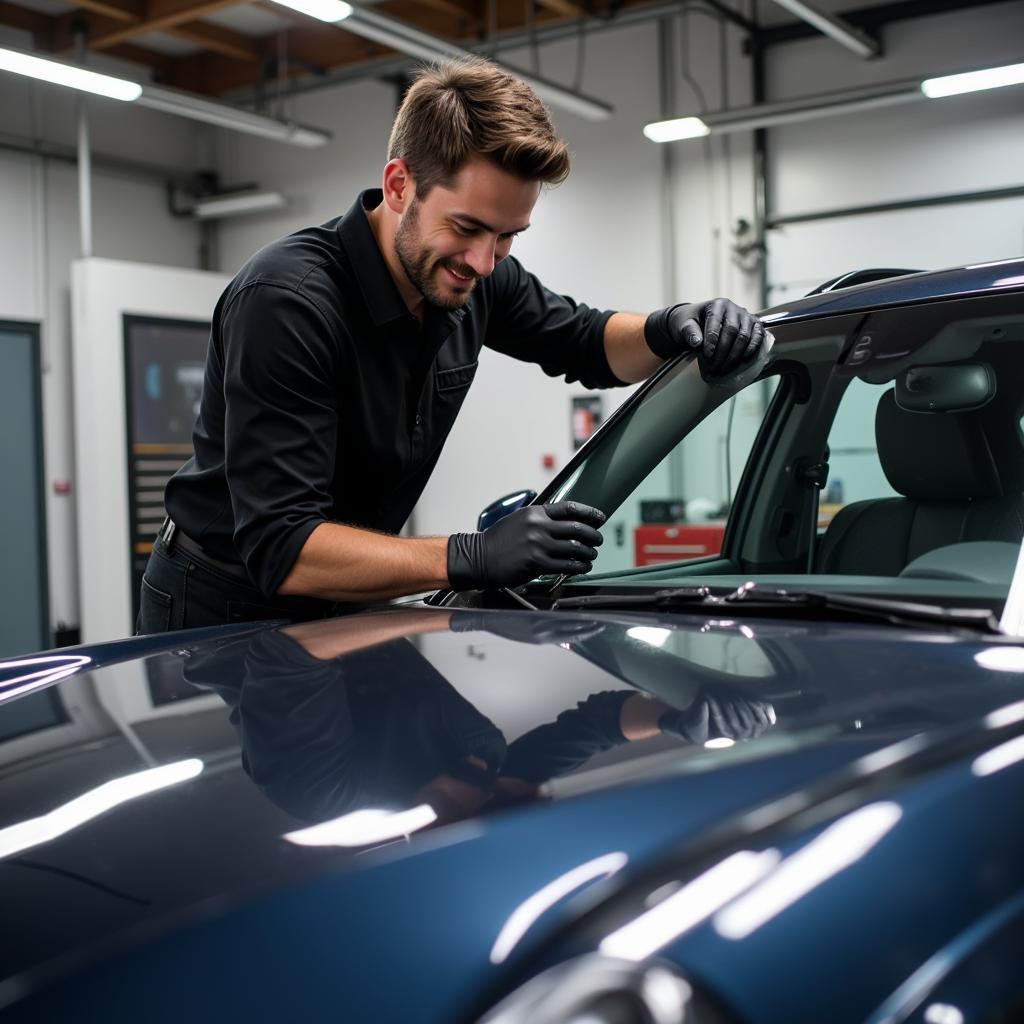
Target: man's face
(457, 235)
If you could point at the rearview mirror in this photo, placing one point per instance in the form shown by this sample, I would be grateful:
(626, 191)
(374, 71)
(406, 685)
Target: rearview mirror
(957, 388)
(502, 507)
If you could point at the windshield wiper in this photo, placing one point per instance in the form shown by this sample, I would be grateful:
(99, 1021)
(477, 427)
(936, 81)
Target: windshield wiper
(801, 602)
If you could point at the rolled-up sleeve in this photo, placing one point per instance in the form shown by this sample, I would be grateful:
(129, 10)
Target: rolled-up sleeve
(531, 322)
(280, 426)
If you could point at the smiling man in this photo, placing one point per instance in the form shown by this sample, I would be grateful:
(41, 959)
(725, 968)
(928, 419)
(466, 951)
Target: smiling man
(339, 358)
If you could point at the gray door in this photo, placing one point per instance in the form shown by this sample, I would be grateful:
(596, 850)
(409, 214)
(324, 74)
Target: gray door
(23, 599)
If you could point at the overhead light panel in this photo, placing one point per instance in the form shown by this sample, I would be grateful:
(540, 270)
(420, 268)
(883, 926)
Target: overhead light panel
(835, 28)
(973, 81)
(322, 10)
(59, 73)
(770, 115)
(184, 104)
(237, 204)
(677, 128)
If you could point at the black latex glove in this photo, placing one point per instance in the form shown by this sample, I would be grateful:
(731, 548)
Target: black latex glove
(535, 541)
(724, 335)
(525, 627)
(718, 712)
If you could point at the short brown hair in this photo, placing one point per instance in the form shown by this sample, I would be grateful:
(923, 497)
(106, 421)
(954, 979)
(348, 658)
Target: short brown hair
(470, 106)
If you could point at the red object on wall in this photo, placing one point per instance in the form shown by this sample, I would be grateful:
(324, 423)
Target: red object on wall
(547, 461)
(655, 544)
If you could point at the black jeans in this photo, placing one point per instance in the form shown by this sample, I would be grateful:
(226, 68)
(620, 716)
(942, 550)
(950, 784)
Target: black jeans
(179, 591)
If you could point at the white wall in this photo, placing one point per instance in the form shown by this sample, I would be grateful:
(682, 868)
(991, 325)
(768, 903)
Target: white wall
(40, 238)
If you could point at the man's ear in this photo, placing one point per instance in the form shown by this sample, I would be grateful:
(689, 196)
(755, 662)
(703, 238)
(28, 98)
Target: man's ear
(399, 187)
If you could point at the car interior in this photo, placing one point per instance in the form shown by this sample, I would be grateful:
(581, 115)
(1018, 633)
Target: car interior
(884, 456)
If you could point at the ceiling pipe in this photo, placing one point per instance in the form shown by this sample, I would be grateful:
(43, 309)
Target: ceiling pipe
(853, 39)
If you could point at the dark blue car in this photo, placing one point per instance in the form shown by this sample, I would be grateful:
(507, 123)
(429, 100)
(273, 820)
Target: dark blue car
(765, 764)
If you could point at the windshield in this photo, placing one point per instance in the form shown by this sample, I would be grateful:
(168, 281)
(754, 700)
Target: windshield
(878, 454)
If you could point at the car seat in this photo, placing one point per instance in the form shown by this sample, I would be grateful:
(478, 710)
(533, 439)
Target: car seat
(943, 465)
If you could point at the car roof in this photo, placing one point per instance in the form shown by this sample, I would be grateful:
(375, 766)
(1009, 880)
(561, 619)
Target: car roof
(906, 289)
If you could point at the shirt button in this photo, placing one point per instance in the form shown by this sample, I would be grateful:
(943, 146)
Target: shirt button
(418, 418)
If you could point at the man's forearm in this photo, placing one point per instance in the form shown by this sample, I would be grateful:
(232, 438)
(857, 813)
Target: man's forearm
(342, 563)
(628, 355)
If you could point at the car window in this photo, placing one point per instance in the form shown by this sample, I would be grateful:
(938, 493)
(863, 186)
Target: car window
(679, 511)
(855, 471)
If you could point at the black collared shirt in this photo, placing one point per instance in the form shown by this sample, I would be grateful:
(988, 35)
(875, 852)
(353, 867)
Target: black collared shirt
(325, 399)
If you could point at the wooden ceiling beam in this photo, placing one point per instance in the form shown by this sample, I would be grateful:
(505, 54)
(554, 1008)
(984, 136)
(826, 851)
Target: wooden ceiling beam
(218, 40)
(39, 25)
(127, 11)
(158, 16)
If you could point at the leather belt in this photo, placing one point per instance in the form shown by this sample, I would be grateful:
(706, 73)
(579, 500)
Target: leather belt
(173, 536)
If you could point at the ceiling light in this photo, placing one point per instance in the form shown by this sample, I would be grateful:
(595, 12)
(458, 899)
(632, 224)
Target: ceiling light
(409, 39)
(68, 74)
(185, 104)
(677, 128)
(835, 28)
(973, 81)
(322, 10)
(236, 204)
(769, 115)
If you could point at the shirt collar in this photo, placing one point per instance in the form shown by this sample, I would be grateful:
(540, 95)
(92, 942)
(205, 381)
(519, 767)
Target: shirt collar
(367, 262)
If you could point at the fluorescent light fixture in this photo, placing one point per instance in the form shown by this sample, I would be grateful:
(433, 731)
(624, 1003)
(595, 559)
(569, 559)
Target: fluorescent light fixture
(840, 845)
(184, 104)
(524, 916)
(237, 204)
(26, 834)
(686, 908)
(973, 81)
(362, 828)
(59, 73)
(771, 115)
(322, 10)
(409, 39)
(835, 28)
(677, 128)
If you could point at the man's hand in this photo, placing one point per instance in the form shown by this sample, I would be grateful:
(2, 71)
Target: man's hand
(534, 541)
(719, 712)
(724, 335)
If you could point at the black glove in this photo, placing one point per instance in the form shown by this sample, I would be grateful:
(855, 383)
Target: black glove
(534, 541)
(724, 335)
(718, 712)
(524, 627)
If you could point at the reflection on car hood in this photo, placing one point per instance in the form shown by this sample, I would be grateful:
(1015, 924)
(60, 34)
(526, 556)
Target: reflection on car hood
(207, 769)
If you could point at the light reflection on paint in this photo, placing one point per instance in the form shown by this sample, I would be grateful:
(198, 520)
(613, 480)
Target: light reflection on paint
(523, 917)
(1005, 716)
(38, 672)
(998, 758)
(1001, 659)
(362, 828)
(649, 635)
(26, 834)
(840, 845)
(693, 903)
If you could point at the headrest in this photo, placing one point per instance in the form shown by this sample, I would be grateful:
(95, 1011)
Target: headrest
(934, 456)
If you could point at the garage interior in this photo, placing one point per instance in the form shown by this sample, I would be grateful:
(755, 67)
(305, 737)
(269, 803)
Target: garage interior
(819, 154)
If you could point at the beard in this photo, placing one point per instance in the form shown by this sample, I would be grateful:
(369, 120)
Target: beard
(419, 264)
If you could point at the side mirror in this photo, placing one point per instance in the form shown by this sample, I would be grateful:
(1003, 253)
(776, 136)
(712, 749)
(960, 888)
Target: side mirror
(502, 507)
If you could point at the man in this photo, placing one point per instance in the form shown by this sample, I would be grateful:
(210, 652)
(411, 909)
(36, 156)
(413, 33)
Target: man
(340, 355)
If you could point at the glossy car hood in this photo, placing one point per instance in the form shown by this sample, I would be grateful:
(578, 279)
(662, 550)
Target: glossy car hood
(226, 769)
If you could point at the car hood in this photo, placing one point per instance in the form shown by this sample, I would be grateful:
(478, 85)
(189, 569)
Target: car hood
(336, 775)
